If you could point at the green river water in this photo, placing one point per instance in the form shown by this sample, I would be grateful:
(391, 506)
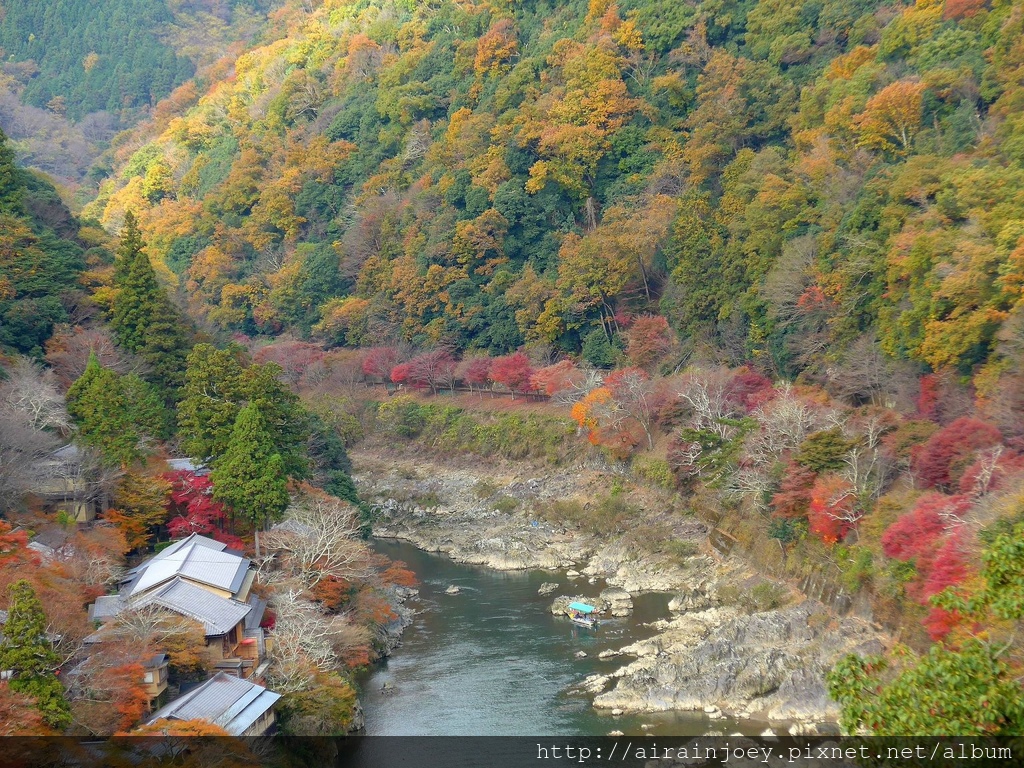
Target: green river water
(492, 660)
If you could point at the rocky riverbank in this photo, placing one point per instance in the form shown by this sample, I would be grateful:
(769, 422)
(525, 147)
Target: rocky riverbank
(735, 644)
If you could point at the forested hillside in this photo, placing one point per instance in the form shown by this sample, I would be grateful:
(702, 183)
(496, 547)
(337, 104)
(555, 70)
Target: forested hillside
(793, 186)
(770, 254)
(43, 252)
(708, 197)
(73, 73)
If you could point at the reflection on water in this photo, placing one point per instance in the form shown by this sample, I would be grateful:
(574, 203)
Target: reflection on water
(492, 660)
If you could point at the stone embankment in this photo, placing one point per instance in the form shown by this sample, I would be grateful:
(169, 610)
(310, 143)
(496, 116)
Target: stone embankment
(735, 644)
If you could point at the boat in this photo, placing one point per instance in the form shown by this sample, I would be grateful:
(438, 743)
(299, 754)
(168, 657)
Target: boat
(581, 614)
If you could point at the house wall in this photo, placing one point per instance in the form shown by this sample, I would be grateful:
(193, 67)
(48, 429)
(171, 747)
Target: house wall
(262, 725)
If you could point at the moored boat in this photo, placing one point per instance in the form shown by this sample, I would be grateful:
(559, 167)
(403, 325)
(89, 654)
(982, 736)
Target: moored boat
(581, 614)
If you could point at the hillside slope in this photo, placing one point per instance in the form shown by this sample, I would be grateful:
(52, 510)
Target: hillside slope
(74, 73)
(791, 187)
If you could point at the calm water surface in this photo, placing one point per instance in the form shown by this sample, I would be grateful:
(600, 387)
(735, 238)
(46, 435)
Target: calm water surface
(492, 660)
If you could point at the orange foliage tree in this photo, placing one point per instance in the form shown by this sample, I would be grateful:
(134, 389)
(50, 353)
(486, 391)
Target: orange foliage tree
(892, 117)
(833, 510)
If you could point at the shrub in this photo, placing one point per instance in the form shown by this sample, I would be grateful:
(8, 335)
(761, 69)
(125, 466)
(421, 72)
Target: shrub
(655, 471)
(857, 565)
(824, 451)
(484, 489)
(505, 504)
(766, 596)
(400, 417)
(681, 551)
(941, 460)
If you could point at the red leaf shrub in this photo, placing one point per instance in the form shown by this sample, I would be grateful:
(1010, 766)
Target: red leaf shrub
(475, 371)
(916, 532)
(514, 371)
(942, 459)
(962, 9)
(831, 513)
(647, 340)
(191, 498)
(378, 362)
(989, 473)
(555, 378)
(794, 496)
(750, 389)
(294, 357)
(434, 369)
(400, 373)
(928, 397)
(949, 567)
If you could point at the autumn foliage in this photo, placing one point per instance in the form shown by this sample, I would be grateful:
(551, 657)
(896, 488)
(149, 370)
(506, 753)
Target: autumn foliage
(513, 371)
(192, 506)
(832, 508)
(946, 454)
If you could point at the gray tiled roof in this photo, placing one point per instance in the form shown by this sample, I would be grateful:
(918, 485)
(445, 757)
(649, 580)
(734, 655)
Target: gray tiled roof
(194, 538)
(217, 614)
(106, 607)
(195, 560)
(230, 702)
(186, 465)
(255, 616)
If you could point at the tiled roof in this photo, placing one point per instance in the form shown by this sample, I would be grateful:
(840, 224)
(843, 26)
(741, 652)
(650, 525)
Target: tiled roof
(106, 607)
(170, 549)
(186, 465)
(230, 702)
(195, 558)
(217, 614)
(255, 616)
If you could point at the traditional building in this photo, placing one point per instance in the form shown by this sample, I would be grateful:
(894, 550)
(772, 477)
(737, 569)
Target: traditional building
(70, 481)
(239, 707)
(203, 580)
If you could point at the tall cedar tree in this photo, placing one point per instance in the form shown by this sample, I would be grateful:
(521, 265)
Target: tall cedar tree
(28, 654)
(209, 403)
(143, 318)
(250, 476)
(100, 407)
(217, 384)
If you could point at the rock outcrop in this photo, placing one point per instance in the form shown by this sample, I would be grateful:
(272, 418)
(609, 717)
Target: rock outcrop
(768, 665)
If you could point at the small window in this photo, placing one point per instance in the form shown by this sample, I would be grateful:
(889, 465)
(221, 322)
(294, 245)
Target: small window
(148, 677)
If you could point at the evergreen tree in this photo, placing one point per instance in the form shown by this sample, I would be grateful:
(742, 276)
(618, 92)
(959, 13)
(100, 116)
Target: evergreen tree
(217, 386)
(286, 419)
(130, 247)
(102, 411)
(330, 462)
(165, 347)
(250, 477)
(143, 318)
(148, 413)
(137, 289)
(210, 401)
(28, 654)
(83, 384)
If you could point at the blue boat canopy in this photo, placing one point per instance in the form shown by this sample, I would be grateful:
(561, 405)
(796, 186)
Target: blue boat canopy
(582, 607)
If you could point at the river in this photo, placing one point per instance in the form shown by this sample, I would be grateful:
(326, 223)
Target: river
(492, 660)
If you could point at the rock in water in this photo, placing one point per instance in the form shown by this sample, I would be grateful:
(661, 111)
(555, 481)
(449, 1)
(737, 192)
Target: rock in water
(619, 601)
(453, 590)
(547, 588)
(581, 654)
